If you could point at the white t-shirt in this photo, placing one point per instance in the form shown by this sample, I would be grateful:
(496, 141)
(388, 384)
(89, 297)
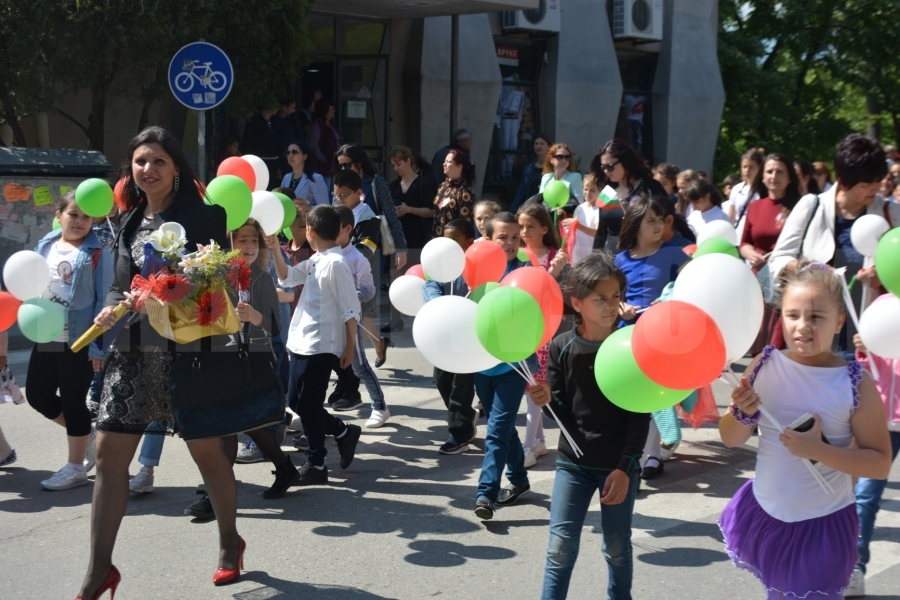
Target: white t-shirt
(589, 216)
(62, 271)
(738, 199)
(697, 219)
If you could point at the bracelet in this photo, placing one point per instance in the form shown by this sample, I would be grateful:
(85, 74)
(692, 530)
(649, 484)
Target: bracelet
(742, 418)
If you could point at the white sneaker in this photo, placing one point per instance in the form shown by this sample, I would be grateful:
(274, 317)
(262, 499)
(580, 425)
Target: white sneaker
(295, 425)
(530, 459)
(90, 459)
(65, 478)
(857, 587)
(668, 453)
(539, 448)
(378, 418)
(142, 483)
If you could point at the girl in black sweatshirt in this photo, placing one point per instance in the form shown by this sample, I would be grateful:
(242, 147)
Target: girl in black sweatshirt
(612, 439)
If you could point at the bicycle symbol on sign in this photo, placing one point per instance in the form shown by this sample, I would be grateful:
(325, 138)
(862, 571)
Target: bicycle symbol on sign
(214, 80)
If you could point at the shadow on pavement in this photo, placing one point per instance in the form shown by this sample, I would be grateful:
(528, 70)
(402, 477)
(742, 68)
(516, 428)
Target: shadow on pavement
(281, 588)
(683, 557)
(438, 553)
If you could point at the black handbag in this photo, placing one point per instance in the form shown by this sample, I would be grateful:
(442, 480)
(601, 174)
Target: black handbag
(223, 392)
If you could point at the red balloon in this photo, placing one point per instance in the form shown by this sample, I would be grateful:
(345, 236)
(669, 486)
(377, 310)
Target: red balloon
(531, 256)
(543, 288)
(689, 250)
(678, 346)
(9, 310)
(237, 166)
(416, 271)
(117, 193)
(485, 263)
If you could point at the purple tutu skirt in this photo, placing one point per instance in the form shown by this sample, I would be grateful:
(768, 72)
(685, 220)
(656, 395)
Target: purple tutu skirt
(803, 559)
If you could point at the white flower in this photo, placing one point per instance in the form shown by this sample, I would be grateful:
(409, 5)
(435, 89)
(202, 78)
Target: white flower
(160, 242)
(170, 238)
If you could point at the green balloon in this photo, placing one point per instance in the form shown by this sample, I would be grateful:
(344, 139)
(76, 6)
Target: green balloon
(479, 292)
(41, 320)
(56, 224)
(622, 381)
(509, 324)
(233, 194)
(290, 210)
(94, 197)
(556, 194)
(887, 261)
(522, 256)
(287, 233)
(716, 246)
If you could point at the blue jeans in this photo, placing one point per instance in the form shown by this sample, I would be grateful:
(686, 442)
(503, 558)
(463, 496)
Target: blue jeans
(868, 501)
(151, 448)
(500, 397)
(572, 494)
(363, 370)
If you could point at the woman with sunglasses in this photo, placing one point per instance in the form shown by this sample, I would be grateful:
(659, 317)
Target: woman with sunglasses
(561, 165)
(618, 165)
(305, 183)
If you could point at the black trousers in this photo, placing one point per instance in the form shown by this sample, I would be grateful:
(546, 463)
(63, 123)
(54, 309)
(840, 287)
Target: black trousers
(458, 393)
(55, 368)
(306, 397)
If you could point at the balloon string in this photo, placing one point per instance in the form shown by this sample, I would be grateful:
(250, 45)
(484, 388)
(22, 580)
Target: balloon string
(851, 310)
(108, 222)
(530, 378)
(231, 237)
(852, 283)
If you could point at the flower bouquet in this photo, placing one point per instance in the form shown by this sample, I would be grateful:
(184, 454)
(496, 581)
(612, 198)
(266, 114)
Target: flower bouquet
(185, 296)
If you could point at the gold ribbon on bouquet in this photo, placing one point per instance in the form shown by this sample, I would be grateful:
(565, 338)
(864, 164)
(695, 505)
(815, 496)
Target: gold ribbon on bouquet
(177, 321)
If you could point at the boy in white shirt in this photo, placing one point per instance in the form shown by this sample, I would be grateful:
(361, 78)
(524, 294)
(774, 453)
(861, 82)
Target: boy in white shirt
(322, 329)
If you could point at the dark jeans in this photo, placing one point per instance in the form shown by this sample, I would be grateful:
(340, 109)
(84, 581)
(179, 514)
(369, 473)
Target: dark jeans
(572, 494)
(54, 367)
(501, 396)
(458, 393)
(868, 501)
(306, 397)
(282, 364)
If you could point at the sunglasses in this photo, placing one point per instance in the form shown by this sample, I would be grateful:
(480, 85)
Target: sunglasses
(562, 156)
(345, 166)
(292, 151)
(608, 167)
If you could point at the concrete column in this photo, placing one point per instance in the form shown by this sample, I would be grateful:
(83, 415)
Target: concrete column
(688, 95)
(582, 87)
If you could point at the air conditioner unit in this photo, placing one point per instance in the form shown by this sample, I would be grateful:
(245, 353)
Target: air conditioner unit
(638, 19)
(543, 18)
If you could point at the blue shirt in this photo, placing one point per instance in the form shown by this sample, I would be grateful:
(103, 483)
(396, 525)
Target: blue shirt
(649, 275)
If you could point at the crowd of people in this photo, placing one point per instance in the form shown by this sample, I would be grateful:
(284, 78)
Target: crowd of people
(314, 300)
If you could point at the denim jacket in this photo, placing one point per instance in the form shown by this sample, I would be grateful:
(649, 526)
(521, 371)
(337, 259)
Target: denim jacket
(89, 285)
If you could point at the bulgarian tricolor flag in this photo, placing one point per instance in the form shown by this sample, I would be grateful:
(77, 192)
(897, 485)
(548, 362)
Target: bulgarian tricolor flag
(607, 199)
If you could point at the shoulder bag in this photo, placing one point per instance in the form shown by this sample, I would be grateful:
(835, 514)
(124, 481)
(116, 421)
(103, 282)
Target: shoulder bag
(387, 239)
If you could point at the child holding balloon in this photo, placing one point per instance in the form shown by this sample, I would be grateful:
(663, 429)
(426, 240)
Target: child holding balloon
(795, 525)
(611, 438)
(81, 272)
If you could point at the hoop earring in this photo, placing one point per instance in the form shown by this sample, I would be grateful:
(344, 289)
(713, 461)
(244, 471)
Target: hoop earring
(175, 186)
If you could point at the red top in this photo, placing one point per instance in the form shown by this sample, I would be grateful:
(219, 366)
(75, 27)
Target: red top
(763, 225)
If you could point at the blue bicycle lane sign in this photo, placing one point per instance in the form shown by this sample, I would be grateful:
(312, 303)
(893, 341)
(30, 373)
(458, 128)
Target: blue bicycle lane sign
(201, 76)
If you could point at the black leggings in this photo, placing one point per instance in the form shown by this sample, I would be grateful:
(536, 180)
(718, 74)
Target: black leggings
(54, 367)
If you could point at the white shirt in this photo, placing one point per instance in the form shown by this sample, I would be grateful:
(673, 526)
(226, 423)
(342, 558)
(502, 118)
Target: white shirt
(361, 271)
(739, 199)
(696, 220)
(589, 216)
(62, 271)
(359, 210)
(328, 300)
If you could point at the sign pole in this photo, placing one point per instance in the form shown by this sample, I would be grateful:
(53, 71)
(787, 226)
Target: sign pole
(201, 144)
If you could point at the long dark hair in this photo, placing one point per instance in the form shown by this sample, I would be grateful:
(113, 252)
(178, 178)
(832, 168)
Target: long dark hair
(812, 186)
(791, 193)
(358, 155)
(468, 167)
(540, 214)
(634, 164)
(189, 184)
(308, 166)
(634, 216)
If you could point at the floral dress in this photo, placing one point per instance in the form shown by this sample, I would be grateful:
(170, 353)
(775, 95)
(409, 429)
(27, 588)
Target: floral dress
(454, 200)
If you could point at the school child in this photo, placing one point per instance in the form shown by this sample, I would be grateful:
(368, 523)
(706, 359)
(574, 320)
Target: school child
(649, 265)
(9, 391)
(706, 203)
(323, 327)
(782, 526)
(611, 438)
(457, 390)
(484, 211)
(81, 272)
(539, 236)
(500, 390)
(588, 215)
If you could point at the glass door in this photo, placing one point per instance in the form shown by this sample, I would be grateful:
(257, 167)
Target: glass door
(363, 105)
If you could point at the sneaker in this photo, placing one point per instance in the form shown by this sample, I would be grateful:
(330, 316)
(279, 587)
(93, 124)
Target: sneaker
(296, 425)
(142, 483)
(90, 458)
(339, 388)
(65, 478)
(309, 475)
(857, 587)
(202, 508)
(300, 442)
(530, 459)
(347, 444)
(348, 403)
(451, 446)
(539, 448)
(285, 476)
(10, 459)
(378, 418)
(484, 509)
(249, 453)
(281, 433)
(653, 468)
(667, 452)
(509, 495)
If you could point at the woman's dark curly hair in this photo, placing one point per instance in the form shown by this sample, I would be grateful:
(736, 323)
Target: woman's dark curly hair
(189, 185)
(634, 164)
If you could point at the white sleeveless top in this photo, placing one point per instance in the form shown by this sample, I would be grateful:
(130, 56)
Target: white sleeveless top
(783, 486)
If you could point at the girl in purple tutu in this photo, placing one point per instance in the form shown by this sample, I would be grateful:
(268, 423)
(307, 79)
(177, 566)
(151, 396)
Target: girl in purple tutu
(782, 526)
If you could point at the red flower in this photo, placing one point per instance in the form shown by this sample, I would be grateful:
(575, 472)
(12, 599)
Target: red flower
(210, 307)
(171, 288)
(239, 274)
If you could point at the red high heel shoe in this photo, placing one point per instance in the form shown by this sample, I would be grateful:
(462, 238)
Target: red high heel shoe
(223, 576)
(112, 582)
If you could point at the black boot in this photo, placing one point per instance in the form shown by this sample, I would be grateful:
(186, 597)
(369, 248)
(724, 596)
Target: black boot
(285, 476)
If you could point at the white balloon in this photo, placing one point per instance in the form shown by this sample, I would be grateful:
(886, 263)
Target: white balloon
(727, 291)
(879, 327)
(866, 232)
(406, 294)
(444, 332)
(260, 170)
(443, 259)
(268, 211)
(717, 229)
(26, 275)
